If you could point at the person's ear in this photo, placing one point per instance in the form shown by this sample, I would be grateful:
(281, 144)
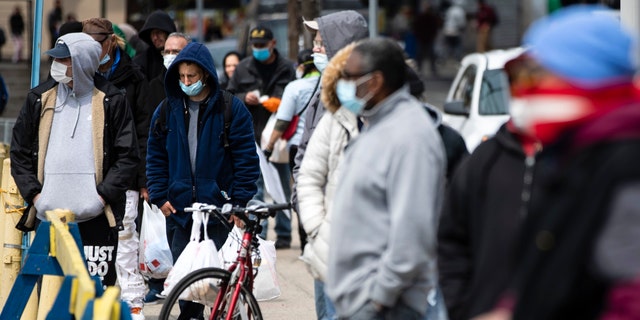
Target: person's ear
(376, 83)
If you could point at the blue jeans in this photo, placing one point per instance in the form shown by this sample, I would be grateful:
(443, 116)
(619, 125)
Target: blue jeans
(399, 311)
(324, 307)
(283, 224)
(178, 238)
(436, 309)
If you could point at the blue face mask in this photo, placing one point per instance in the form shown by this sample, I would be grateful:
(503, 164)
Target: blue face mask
(261, 54)
(320, 60)
(192, 90)
(105, 59)
(346, 92)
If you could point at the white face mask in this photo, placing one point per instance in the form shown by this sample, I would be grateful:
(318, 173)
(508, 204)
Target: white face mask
(168, 59)
(59, 72)
(320, 60)
(533, 110)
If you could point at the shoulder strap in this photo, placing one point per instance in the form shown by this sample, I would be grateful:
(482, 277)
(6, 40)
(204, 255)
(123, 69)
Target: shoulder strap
(227, 110)
(310, 97)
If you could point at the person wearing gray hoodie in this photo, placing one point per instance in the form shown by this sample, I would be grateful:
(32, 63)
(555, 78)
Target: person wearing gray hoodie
(74, 147)
(332, 32)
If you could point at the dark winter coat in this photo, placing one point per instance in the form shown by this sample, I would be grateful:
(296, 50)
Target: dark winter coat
(150, 60)
(120, 157)
(131, 81)
(156, 85)
(246, 78)
(219, 171)
(577, 181)
(17, 24)
(479, 223)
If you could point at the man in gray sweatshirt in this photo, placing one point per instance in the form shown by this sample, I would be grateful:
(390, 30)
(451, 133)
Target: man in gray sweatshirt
(382, 257)
(74, 147)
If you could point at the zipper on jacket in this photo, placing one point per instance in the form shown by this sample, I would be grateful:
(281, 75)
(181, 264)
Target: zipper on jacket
(525, 196)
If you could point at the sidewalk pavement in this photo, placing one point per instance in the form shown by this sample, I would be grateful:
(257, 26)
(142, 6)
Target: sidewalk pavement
(296, 285)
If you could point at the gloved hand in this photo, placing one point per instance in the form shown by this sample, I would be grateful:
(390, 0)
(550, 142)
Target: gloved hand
(271, 104)
(267, 153)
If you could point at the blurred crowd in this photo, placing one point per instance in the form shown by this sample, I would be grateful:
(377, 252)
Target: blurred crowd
(396, 219)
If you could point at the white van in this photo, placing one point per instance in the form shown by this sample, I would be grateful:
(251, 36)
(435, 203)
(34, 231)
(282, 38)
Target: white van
(478, 100)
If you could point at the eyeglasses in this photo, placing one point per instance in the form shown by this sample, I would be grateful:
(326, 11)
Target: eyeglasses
(345, 75)
(171, 51)
(318, 44)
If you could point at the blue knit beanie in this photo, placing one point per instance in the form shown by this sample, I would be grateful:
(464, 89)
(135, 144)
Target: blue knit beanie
(584, 44)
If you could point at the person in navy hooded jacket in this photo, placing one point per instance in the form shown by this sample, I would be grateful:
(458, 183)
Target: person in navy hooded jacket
(186, 158)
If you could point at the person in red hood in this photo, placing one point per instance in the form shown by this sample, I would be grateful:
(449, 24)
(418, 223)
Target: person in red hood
(577, 256)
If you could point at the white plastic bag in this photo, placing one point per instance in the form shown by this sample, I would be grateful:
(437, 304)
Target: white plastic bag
(265, 286)
(154, 259)
(280, 152)
(196, 255)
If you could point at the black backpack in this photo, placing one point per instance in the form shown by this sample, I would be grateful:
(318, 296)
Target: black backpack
(160, 126)
(454, 145)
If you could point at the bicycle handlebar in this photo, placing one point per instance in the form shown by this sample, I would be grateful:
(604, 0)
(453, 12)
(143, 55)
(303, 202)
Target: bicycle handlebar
(268, 208)
(260, 209)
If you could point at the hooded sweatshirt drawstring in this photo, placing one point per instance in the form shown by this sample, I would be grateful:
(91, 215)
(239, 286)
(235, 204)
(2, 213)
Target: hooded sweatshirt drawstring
(75, 124)
(62, 104)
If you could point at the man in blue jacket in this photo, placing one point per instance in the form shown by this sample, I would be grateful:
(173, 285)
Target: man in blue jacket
(186, 158)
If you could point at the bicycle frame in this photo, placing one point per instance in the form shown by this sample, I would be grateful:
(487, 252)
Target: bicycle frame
(234, 298)
(241, 275)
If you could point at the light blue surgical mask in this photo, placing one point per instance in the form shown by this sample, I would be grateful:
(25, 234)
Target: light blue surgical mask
(261, 54)
(105, 59)
(346, 92)
(192, 90)
(320, 60)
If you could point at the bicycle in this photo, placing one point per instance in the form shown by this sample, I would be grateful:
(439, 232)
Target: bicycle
(216, 293)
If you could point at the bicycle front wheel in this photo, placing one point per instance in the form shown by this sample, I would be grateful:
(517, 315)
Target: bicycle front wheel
(193, 297)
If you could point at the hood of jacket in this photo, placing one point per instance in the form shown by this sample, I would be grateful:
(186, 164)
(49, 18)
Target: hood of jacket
(156, 20)
(85, 59)
(341, 28)
(126, 71)
(195, 53)
(330, 77)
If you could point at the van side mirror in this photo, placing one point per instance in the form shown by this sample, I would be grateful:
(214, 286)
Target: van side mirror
(456, 108)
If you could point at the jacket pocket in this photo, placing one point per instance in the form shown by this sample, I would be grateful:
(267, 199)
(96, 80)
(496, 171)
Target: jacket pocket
(210, 192)
(73, 191)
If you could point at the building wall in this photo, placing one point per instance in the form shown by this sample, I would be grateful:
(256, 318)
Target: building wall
(82, 9)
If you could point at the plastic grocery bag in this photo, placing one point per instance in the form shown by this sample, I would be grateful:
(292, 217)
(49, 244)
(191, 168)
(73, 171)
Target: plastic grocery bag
(280, 152)
(154, 258)
(196, 255)
(265, 285)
